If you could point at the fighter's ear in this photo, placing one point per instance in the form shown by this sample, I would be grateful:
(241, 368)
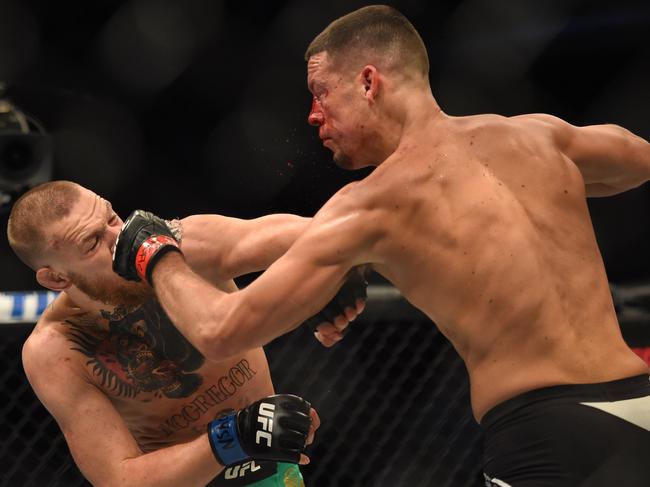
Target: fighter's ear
(370, 81)
(52, 279)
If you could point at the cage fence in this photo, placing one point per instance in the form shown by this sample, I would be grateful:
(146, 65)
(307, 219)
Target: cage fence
(393, 398)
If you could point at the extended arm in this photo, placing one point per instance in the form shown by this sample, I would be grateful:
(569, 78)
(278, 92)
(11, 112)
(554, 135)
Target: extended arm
(611, 159)
(297, 286)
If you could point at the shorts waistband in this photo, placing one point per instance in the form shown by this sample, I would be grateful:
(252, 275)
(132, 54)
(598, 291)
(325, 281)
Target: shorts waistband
(616, 390)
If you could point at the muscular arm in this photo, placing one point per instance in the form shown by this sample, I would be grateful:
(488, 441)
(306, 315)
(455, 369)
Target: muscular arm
(611, 159)
(231, 247)
(294, 288)
(99, 440)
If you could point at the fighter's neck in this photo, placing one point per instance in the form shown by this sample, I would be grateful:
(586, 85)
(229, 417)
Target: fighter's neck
(413, 107)
(401, 119)
(82, 304)
(419, 116)
(426, 125)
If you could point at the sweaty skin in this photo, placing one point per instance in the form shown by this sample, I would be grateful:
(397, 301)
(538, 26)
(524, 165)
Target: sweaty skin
(130, 393)
(480, 221)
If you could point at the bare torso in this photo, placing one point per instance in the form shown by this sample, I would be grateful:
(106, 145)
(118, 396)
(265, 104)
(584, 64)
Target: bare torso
(163, 388)
(488, 232)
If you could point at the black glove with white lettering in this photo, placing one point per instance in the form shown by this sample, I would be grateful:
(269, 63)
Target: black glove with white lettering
(352, 289)
(144, 238)
(274, 428)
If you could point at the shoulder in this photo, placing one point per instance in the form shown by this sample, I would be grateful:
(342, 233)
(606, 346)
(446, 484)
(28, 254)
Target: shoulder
(542, 127)
(357, 204)
(47, 355)
(554, 127)
(349, 226)
(491, 121)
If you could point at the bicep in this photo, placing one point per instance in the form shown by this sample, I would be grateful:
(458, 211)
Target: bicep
(262, 241)
(607, 154)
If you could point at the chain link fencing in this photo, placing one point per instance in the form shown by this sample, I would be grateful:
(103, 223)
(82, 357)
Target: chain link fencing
(392, 396)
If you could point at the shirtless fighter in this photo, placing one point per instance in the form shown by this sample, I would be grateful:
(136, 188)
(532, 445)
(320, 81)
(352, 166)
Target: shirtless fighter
(482, 223)
(132, 396)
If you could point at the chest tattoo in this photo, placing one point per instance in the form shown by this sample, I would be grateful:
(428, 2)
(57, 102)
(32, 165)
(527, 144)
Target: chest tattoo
(141, 351)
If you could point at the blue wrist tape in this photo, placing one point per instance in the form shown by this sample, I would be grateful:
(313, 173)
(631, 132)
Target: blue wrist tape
(224, 440)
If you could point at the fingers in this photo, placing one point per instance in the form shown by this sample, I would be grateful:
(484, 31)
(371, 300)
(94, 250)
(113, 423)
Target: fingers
(315, 418)
(328, 340)
(315, 424)
(341, 322)
(330, 333)
(351, 313)
(361, 305)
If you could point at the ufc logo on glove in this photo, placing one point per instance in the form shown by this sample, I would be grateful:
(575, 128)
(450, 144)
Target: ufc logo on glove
(265, 418)
(248, 434)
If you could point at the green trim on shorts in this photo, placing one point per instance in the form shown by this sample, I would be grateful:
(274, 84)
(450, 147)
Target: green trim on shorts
(288, 475)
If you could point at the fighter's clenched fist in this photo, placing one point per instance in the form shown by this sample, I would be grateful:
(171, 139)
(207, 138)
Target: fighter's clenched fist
(274, 428)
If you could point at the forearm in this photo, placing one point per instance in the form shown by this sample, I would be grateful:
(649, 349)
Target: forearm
(187, 464)
(192, 304)
(221, 325)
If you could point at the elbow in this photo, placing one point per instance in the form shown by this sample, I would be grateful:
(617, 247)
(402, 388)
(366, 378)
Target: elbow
(211, 341)
(123, 476)
(122, 482)
(216, 336)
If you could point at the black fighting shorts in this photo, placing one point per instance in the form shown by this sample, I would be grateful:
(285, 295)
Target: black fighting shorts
(589, 435)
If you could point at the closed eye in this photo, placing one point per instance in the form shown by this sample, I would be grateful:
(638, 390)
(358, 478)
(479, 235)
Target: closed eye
(95, 243)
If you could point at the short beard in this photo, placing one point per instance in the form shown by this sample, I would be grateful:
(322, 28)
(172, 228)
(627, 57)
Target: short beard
(342, 160)
(128, 293)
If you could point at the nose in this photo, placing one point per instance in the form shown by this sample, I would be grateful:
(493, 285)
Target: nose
(315, 117)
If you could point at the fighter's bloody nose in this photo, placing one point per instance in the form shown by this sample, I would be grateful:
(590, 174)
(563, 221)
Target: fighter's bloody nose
(315, 116)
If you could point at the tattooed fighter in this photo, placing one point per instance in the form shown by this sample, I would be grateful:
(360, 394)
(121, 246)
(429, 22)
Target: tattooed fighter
(135, 400)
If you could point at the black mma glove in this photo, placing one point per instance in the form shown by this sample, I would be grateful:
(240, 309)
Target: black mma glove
(274, 428)
(144, 238)
(352, 289)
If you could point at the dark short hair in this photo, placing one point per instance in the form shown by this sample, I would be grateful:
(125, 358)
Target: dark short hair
(40, 206)
(377, 28)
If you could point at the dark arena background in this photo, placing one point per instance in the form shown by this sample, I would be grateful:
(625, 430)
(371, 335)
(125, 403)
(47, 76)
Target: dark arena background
(200, 106)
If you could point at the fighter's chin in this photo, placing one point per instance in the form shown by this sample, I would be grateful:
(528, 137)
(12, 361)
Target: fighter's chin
(114, 292)
(342, 160)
